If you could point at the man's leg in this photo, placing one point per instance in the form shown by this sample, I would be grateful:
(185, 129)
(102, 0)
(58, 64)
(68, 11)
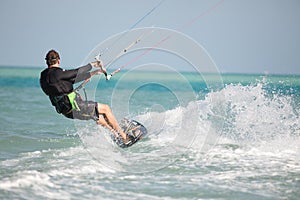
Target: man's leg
(103, 122)
(108, 120)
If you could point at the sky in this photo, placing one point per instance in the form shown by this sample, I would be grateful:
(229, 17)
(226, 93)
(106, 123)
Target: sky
(241, 36)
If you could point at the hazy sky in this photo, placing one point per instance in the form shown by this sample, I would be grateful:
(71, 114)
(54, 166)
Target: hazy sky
(242, 36)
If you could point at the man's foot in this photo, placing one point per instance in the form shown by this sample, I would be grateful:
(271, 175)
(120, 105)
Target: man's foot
(123, 143)
(128, 139)
(122, 137)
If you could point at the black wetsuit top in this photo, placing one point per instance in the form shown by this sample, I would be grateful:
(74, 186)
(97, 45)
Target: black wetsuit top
(56, 82)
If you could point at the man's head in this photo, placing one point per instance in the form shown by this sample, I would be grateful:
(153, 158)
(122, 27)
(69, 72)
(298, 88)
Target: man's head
(52, 58)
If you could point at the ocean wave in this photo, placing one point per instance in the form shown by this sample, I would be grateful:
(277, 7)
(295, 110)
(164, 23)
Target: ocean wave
(243, 116)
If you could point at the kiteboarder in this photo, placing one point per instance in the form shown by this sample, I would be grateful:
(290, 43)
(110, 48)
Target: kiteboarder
(57, 83)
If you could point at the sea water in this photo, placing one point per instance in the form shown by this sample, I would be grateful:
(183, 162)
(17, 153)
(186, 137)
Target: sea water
(238, 141)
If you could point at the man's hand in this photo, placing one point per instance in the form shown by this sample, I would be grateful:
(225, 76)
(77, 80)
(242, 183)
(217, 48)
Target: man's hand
(98, 64)
(99, 71)
(96, 72)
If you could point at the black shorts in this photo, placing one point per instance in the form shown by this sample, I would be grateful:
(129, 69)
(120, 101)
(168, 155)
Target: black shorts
(87, 110)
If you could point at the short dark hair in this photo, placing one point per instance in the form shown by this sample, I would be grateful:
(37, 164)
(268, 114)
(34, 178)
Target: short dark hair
(52, 57)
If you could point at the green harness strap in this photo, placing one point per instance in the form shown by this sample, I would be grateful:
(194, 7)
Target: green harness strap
(73, 102)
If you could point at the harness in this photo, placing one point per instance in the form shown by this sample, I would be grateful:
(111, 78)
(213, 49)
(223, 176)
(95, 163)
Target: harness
(65, 104)
(72, 99)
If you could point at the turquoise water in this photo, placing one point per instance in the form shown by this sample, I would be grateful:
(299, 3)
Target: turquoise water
(240, 141)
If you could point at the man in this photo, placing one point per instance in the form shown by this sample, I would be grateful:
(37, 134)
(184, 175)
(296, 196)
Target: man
(58, 85)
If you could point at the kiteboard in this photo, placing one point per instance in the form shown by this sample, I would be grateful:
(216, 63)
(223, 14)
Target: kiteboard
(134, 130)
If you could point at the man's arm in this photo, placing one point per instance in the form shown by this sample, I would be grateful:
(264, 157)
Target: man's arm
(76, 75)
(83, 73)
